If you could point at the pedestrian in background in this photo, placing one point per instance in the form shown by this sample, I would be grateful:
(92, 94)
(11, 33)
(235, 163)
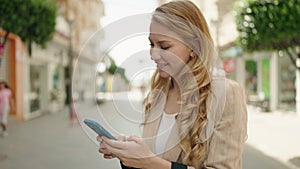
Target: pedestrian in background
(6, 104)
(72, 113)
(194, 116)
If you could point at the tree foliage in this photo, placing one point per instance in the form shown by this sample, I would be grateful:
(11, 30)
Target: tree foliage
(31, 20)
(269, 25)
(112, 68)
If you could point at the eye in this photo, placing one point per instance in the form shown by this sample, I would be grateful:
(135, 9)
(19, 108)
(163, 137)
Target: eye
(151, 45)
(165, 47)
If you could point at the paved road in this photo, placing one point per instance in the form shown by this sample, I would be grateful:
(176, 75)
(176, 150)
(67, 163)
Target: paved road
(255, 159)
(49, 142)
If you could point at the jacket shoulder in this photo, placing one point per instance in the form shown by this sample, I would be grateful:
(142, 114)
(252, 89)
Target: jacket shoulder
(234, 89)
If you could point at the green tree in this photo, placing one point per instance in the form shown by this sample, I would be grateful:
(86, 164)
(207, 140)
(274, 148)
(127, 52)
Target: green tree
(269, 25)
(31, 20)
(113, 68)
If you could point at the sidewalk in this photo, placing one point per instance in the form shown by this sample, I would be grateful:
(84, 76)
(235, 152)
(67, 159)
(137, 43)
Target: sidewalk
(49, 142)
(277, 134)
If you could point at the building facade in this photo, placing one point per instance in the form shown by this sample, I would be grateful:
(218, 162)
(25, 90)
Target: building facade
(261, 73)
(40, 82)
(12, 70)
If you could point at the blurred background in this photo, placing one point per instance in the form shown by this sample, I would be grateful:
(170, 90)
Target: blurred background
(258, 42)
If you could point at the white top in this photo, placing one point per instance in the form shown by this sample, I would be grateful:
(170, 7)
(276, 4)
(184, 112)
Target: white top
(166, 124)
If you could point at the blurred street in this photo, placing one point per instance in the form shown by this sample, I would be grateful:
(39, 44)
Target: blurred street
(275, 134)
(49, 142)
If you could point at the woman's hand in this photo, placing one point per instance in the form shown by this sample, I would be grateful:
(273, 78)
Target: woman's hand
(107, 154)
(133, 153)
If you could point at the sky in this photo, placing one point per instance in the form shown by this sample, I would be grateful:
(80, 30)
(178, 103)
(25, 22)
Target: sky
(131, 53)
(118, 9)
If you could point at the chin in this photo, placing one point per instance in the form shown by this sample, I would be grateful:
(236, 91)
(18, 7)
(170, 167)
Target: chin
(163, 74)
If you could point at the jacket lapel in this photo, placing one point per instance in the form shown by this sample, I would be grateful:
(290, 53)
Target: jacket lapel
(151, 127)
(173, 150)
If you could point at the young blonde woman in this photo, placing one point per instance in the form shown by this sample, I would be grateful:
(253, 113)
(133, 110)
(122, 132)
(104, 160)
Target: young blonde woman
(194, 116)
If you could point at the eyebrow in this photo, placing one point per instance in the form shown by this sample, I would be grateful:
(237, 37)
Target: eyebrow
(159, 42)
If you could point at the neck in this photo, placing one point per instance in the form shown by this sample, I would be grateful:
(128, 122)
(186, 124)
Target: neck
(175, 87)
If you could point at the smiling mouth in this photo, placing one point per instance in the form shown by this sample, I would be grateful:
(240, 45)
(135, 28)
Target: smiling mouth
(161, 65)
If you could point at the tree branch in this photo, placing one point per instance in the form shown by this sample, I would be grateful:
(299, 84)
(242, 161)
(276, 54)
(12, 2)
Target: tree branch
(298, 56)
(5, 37)
(29, 47)
(292, 58)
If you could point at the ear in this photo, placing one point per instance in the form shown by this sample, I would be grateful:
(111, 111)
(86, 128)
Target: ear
(192, 54)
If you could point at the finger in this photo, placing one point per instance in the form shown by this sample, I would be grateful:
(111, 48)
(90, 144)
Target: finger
(99, 139)
(104, 151)
(114, 150)
(106, 156)
(134, 138)
(113, 143)
(107, 153)
(113, 155)
(102, 145)
(121, 137)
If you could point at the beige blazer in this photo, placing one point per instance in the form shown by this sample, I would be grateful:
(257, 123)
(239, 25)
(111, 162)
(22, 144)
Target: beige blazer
(225, 144)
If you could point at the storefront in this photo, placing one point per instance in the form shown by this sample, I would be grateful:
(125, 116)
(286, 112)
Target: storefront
(269, 79)
(45, 83)
(287, 83)
(36, 90)
(253, 71)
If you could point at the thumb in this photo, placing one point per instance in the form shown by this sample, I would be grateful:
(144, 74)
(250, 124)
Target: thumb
(134, 138)
(121, 137)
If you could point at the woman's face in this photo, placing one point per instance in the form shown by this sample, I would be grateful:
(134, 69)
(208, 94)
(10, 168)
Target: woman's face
(169, 53)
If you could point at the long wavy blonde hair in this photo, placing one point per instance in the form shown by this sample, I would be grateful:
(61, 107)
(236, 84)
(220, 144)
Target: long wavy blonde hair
(186, 20)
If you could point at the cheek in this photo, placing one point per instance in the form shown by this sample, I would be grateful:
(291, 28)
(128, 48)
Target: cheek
(178, 58)
(184, 56)
(182, 53)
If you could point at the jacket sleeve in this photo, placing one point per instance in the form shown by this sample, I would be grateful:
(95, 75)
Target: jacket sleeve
(125, 167)
(227, 142)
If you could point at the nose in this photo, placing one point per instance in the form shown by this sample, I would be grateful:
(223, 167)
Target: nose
(154, 53)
